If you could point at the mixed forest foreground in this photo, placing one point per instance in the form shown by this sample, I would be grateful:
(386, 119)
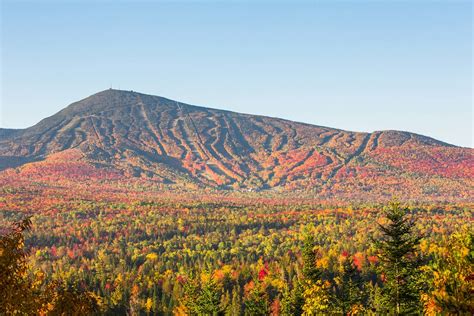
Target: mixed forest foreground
(133, 254)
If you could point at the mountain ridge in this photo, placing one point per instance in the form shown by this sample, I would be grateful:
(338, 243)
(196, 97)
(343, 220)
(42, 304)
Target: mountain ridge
(168, 141)
(8, 131)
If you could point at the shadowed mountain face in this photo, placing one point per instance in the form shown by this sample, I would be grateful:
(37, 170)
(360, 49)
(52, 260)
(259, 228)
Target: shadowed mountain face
(163, 140)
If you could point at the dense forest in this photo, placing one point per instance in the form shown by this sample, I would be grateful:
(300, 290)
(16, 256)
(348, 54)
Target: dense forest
(302, 158)
(205, 258)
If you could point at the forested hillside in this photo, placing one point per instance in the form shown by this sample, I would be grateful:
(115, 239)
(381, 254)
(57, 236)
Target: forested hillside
(134, 135)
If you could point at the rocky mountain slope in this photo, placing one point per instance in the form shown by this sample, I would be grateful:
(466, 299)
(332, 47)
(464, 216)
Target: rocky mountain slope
(138, 135)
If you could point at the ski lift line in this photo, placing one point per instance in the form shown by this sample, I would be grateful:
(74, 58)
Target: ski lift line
(96, 133)
(155, 133)
(191, 120)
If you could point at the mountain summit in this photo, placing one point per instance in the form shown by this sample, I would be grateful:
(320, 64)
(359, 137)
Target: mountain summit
(163, 140)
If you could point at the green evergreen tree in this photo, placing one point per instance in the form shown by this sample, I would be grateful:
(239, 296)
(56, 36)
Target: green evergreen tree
(374, 300)
(349, 288)
(202, 299)
(310, 271)
(208, 302)
(256, 303)
(191, 295)
(224, 301)
(399, 262)
(293, 300)
(235, 307)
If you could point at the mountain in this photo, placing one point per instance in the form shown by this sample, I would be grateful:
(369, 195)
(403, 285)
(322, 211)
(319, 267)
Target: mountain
(129, 135)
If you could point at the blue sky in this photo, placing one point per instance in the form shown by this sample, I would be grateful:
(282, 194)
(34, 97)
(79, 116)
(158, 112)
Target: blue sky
(355, 65)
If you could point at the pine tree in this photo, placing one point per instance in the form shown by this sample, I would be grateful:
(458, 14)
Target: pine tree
(191, 295)
(202, 299)
(224, 301)
(374, 299)
(399, 263)
(256, 302)
(235, 307)
(349, 287)
(293, 300)
(209, 299)
(156, 298)
(310, 271)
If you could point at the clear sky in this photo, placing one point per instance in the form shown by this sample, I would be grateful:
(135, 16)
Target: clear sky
(355, 65)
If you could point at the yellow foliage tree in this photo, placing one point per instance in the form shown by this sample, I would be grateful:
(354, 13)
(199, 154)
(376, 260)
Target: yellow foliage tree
(453, 278)
(316, 298)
